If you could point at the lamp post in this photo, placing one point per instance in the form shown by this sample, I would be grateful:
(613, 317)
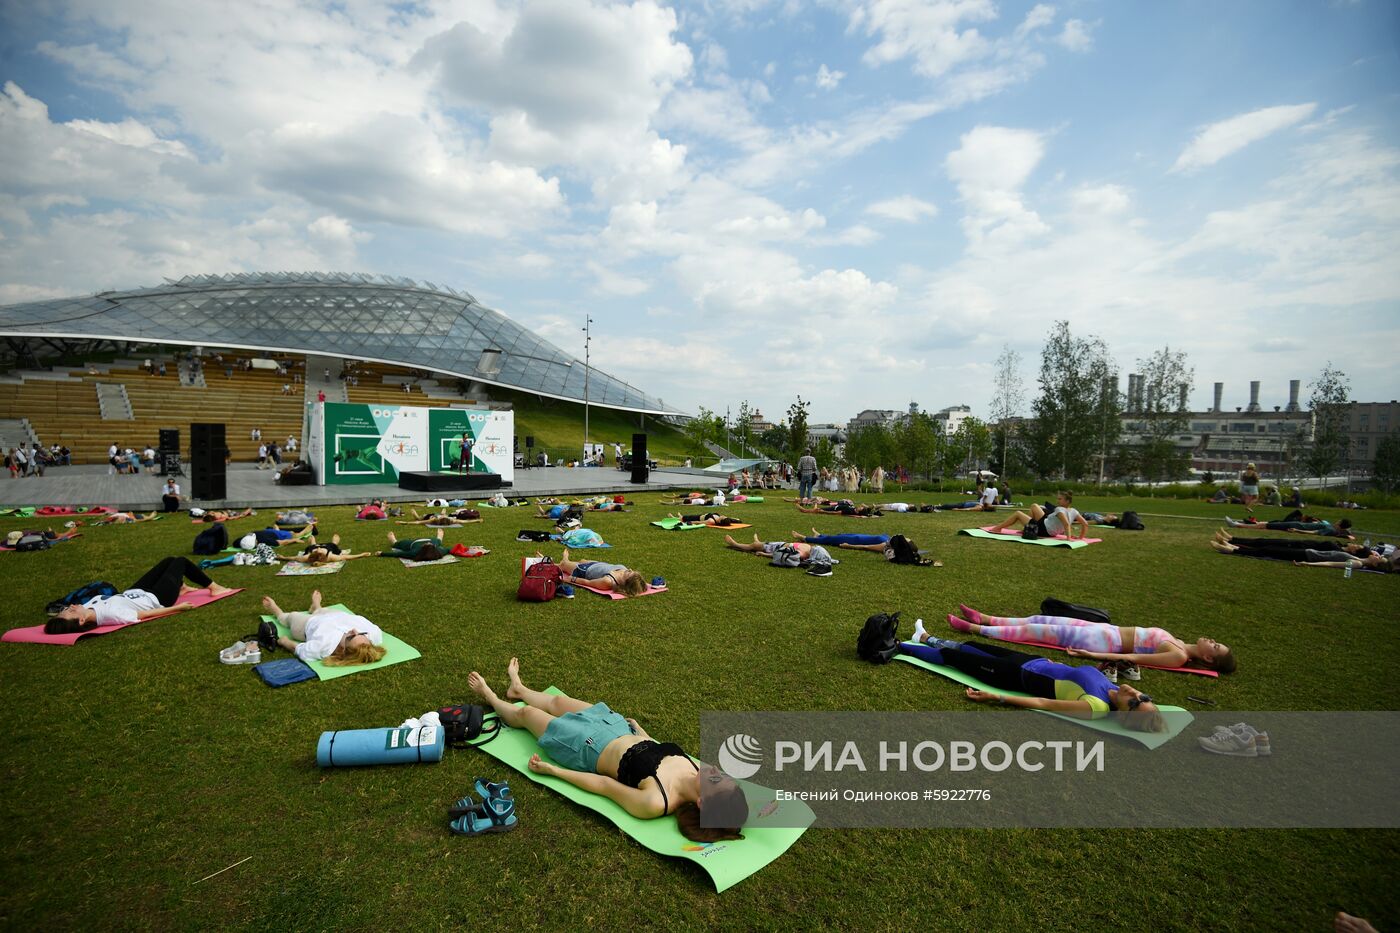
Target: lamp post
(587, 340)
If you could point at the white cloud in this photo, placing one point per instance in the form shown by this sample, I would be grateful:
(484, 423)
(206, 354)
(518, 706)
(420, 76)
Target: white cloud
(928, 32)
(906, 207)
(1076, 36)
(989, 167)
(612, 282)
(132, 133)
(827, 79)
(1218, 140)
(1100, 199)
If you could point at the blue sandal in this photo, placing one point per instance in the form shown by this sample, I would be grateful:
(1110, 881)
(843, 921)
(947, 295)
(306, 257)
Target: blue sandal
(489, 790)
(496, 816)
(464, 806)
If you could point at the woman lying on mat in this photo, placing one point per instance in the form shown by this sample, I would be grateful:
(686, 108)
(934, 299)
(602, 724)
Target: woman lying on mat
(706, 518)
(1301, 554)
(1080, 691)
(604, 753)
(332, 636)
(160, 589)
(221, 515)
(852, 542)
(766, 548)
(601, 576)
(444, 519)
(842, 507)
(1302, 525)
(318, 555)
(124, 518)
(372, 512)
(417, 549)
(1149, 647)
(555, 511)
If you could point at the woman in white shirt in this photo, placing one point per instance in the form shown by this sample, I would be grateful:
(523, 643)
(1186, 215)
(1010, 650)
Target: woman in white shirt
(159, 590)
(332, 636)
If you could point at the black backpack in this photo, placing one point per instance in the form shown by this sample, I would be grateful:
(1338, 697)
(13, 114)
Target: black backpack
(81, 595)
(1058, 607)
(532, 534)
(211, 540)
(786, 555)
(901, 550)
(1031, 532)
(877, 641)
(33, 541)
(1129, 521)
(464, 725)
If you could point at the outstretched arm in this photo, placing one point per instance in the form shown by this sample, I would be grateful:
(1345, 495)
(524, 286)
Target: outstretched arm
(635, 802)
(1173, 658)
(1069, 707)
(863, 547)
(1328, 563)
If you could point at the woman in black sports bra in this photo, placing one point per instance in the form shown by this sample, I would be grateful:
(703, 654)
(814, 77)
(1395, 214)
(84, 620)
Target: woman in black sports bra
(602, 752)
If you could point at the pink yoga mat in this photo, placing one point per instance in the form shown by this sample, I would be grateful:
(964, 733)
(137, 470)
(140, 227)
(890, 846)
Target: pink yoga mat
(1015, 533)
(650, 590)
(36, 635)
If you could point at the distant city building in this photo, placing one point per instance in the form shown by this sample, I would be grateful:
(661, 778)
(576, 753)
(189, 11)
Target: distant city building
(831, 432)
(1370, 423)
(881, 416)
(759, 424)
(952, 417)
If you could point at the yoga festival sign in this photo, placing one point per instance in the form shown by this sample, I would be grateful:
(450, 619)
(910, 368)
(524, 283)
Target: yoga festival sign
(376, 443)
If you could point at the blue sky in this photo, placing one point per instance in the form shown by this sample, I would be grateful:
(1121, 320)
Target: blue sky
(862, 201)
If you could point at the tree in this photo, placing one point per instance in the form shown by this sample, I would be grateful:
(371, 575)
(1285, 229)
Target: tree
(1167, 384)
(1331, 440)
(1385, 472)
(797, 425)
(744, 426)
(705, 426)
(824, 452)
(775, 439)
(1007, 398)
(914, 443)
(972, 443)
(870, 445)
(1076, 419)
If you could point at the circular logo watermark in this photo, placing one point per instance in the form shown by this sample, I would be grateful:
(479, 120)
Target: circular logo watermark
(741, 756)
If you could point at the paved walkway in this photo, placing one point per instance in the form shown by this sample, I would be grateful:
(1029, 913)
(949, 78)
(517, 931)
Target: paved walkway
(248, 486)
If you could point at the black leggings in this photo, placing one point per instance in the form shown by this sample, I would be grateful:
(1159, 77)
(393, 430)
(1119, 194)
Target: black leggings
(997, 666)
(164, 579)
(1293, 544)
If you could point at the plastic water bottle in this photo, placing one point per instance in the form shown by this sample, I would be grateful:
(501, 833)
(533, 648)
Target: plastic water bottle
(1346, 574)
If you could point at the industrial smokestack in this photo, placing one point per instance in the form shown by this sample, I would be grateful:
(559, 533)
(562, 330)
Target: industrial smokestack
(1134, 392)
(1254, 395)
(1293, 385)
(1219, 395)
(1182, 406)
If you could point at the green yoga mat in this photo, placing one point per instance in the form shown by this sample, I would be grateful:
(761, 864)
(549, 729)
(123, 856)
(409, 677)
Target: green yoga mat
(1176, 717)
(727, 863)
(675, 524)
(1044, 542)
(24, 511)
(398, 652)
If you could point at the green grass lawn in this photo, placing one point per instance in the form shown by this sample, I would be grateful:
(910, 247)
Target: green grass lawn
(557, 426)
(136, 764)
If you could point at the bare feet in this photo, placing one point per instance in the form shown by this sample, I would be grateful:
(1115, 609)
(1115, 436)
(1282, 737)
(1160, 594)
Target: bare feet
(271, 606)
(392, 539)
(315, 601)
(513, 675)
(565, 557)
(216, 590)
(730, 542)
(480, 687)
(1346, 923)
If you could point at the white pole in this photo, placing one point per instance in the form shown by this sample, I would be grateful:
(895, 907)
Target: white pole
(587, 339)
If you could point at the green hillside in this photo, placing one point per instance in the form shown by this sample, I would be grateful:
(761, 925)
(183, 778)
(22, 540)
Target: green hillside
(557, 427)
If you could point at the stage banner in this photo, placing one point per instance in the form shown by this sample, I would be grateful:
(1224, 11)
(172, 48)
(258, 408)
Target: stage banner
(492, 435)
(372, 443)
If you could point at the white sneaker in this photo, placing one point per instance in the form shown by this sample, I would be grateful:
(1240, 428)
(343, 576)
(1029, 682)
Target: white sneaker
(1229, 743)
(1246, 731)
(250, 653)
(232, 649)
(1110, 670)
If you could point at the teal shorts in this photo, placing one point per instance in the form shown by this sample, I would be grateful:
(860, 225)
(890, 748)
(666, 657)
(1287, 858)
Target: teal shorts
(575, 740)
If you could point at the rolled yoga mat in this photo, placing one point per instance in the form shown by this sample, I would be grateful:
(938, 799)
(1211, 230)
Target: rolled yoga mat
(380, 746)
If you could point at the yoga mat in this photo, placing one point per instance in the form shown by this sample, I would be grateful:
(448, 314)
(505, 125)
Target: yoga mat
(52, 541)
(675, 524)
(398, 652)
(727, 863)
(24, 511)
(294, 569)
(728, 527)
(460, 521)
(650, 590)
(447, 559)
(580, 547)
(1045, 542)
(36, 635)
(1177, 718)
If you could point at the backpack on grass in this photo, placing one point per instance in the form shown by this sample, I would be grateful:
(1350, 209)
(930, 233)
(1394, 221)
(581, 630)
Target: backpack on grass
(211, 540)
(1129, 521)
(786, 555)
(540, 582)
(1058, 607)
(901, 550)
(81, 595)
(463, 726)
(33, 541)
(878, 641)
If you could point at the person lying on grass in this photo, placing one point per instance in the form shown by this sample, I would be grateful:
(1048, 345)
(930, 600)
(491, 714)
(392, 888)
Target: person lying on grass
(124, 518)
(1148, 647)
(372, 511)
(706, 518)
(335, 637)
(969, 505)
(159, 590)
(880, 544)
(418, 549)
(1301, 555)
(766, 548)
(443, 519)
(605, 753)
(318, 555)
(1062, 520)
(842, 507)
(1075, 690)
(554, 510)
(1301, 525)
(222, 515)
(601, 576)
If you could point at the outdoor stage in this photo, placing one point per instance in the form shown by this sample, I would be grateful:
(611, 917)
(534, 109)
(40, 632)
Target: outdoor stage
(449, 481)
(91, 484)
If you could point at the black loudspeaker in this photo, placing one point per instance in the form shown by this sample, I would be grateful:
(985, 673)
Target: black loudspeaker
(170, 440)
(639, 458)
(529, 440)
(208, 476)
(169, 452)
